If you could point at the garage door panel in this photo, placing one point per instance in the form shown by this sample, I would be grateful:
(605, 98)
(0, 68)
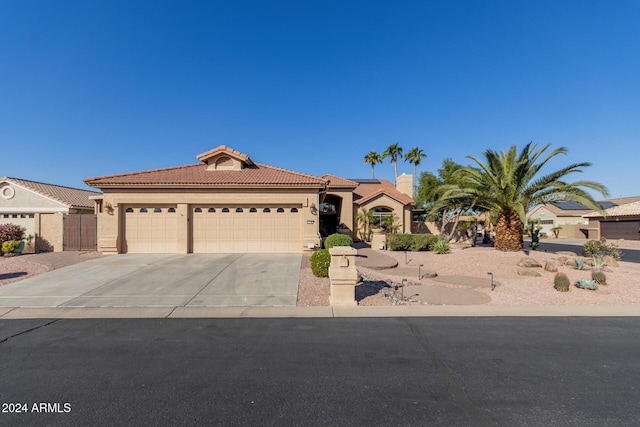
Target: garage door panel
(150, 232)
(245, 230)
(628, 230)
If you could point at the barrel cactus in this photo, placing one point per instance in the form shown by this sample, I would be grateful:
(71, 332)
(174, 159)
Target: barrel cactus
(561, 282)
(599, 277)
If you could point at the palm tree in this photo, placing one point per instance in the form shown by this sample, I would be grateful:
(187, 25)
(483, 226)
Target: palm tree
(508, 184)
(394, 151)
(373, 158)
(365, 219)
(415, 155)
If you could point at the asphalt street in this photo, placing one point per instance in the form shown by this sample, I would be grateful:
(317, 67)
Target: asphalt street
(574, 245)
(342, 372)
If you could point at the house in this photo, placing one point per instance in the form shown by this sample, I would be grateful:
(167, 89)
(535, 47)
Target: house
(619, 222)
(42, 209)
(229, 203)
(571, 216)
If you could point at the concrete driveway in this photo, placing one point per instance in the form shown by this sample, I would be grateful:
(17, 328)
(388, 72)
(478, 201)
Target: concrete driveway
(163, 280)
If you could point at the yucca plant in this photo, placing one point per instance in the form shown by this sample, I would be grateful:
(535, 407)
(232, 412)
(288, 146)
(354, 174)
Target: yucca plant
(561, 282)
(599, 277)
(579, 263)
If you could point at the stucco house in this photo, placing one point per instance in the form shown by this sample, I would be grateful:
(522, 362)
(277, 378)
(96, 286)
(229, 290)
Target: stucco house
(42, 208)
(229, 203)
(621, 222)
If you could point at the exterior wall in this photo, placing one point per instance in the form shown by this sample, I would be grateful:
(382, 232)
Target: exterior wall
(404, 184)
(28, 201)
(111, 218)
(49, 232)
(541, 213)
(402, 212)
(573, 231)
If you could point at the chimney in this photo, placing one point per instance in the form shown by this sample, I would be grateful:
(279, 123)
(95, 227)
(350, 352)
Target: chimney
(404, 184)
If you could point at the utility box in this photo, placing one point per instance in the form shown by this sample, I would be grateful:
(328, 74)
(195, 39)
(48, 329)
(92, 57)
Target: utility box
(343, 276)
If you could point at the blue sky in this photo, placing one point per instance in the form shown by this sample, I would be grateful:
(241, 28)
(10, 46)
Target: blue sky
(91, 88)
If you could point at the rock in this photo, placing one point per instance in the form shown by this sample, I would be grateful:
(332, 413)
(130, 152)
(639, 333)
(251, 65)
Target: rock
(528, 262)
(611, 261)
(527, 272)
(551, 266)
(588, 261)
(567, 253)
(562, 260)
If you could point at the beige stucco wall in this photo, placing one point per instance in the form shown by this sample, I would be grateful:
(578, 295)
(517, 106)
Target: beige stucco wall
(346, 210)
(402, 212)
(404, 184)
(28, 201)
(111, 220)
(49, 232)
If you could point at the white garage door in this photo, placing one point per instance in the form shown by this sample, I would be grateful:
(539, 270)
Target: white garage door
(150, 229)
(220, 229)
(23, 220)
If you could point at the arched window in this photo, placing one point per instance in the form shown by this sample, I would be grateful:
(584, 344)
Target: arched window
(266, 210)
(280, 210)
(157, 210)
(211, 210)
(171, 210)
(294, 210)
(129, 210)
(253, 210)
(239, 210)
(224, 163)
(197, 210)
(225, 210)
(143, 210)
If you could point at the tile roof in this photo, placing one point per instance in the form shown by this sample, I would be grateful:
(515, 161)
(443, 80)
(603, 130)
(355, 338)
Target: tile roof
(367, 191)
(336, 181)
(255, 174)
(628, 209)
(224, 149)
(71, 197)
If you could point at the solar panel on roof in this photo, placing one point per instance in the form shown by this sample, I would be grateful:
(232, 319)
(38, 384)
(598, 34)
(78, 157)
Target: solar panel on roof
(607, 205)
(365, 181)
(570, 206)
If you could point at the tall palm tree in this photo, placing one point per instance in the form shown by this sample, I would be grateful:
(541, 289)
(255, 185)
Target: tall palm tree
(394, 151)
(415, 156)
(508, 184)
(373, 158)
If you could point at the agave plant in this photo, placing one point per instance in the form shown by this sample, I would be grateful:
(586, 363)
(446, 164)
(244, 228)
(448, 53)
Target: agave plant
(587, 284)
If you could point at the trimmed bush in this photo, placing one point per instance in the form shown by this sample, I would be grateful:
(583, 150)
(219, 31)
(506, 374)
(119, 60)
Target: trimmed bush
(409, 242)
(11, 232)
(561, 282)
(320, 261)
(337, 239)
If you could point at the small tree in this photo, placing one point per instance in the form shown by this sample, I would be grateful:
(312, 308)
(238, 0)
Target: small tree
(365, 219)
(556, 231)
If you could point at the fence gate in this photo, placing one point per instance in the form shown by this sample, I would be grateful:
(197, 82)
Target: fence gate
(80, 233)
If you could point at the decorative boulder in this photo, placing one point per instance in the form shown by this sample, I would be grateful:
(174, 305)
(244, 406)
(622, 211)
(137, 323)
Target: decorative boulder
(522, 271)
(529, 263)
(567, 253)
(611, 261)
(551, 265)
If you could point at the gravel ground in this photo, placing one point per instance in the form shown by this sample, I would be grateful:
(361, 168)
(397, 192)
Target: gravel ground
(14, 268)
(623, 282)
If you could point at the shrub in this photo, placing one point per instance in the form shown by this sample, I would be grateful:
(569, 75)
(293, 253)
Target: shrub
(440, 247)
(338, 239)
(599, 277)
(561, 282)
(579, 263)
(399, 242)
(11, 232)
(10, 246)
(320, 261)
(587, 284)
(600, 247)
(406, 242)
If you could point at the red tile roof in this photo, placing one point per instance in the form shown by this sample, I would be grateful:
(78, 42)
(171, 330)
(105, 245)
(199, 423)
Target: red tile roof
(366, 191)
(68, 196)
(336, 181)
(628, 209)
(256, 174)
(229, 151)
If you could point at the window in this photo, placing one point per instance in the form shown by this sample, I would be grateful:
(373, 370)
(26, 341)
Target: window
(253, 210)
(129, 210)
(23, 215)
(546, 221)
(143, 210)
(157, 210)
(31, 215)
(197, 210)
(211, 210)
(225, 210)
(171, 210)
(280, 210)
(294, 210)
(239, 210)
(14, 216)
(266, 210)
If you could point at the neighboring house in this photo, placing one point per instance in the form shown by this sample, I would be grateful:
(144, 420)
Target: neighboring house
(229, 203)
(571, 216)
(42, 208)
(620, 222)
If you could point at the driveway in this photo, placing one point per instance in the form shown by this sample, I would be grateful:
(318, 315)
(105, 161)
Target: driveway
(163, 280)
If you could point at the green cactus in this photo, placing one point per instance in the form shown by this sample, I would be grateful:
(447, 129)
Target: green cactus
(561, 282)
(587, 284)
(599, 277)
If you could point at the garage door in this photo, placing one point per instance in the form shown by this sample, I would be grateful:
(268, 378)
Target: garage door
(26, 220)
(220, 229)
(628, 230)
(150, 229)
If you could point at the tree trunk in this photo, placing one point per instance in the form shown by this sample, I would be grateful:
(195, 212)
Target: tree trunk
(509, 232)
(373, 172)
